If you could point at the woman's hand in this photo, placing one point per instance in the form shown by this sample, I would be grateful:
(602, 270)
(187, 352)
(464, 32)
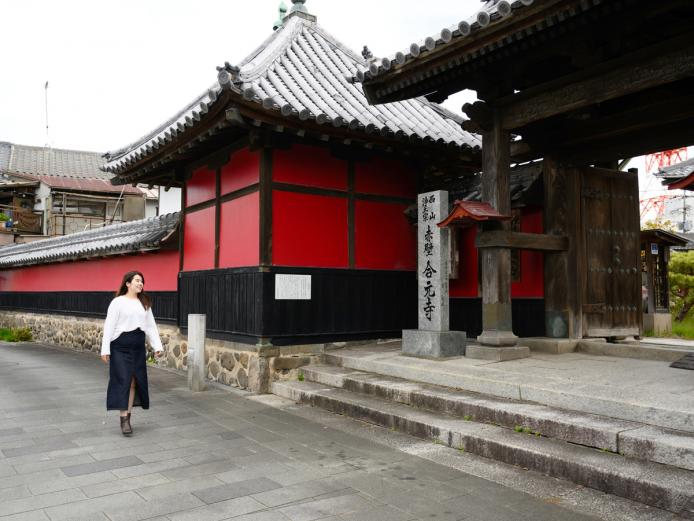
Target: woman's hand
(105, 358)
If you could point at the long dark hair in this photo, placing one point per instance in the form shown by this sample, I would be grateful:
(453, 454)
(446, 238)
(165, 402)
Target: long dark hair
(142, 296)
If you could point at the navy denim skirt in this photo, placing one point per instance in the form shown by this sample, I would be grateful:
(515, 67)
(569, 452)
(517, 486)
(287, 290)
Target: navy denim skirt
(128, 359)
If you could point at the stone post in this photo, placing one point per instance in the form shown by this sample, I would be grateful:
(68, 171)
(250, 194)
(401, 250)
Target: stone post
(196, 352)
(433, 339)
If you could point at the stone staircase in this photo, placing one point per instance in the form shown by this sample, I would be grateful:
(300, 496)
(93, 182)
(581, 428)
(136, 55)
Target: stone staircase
(645, 463)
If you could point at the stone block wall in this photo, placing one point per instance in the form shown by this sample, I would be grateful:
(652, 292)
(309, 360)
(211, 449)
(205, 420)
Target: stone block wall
(229, 363)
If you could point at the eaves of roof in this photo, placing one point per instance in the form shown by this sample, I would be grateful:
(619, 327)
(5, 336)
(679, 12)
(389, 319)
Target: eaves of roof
(300, 77)
(499, 25)
(676, 171)
(682, 183)
(664, 236)
(130, 237)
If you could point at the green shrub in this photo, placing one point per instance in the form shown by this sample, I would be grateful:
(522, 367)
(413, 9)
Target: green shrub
(684, 329)
(3, 217)
(23, 334)
(16, 334)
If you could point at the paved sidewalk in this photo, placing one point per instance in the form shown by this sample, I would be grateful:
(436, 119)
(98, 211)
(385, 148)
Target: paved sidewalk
(218, 455)
(664, 341)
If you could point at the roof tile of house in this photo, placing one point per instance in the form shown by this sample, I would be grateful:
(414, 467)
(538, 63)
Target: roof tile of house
(129, 237)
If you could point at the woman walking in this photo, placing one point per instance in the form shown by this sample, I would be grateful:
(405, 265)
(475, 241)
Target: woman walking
(128, 322)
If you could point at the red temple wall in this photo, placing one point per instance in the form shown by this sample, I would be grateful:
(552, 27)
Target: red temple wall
(312, 229)
(309, 230)
(201, 186)
(531, 283)
(239, 218)
(239, 232)
(383, 176)
(242, 170)
(466, 283)
(384, 238)
(199, 240)
(159, 268)
(309, 166)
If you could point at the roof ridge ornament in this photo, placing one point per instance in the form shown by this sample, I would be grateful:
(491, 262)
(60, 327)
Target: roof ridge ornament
(299, 9)
(299, 6)
(227, 75)
(280, 19)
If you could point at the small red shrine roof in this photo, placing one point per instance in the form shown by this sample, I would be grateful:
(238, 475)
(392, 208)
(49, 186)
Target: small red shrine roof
(467, 213)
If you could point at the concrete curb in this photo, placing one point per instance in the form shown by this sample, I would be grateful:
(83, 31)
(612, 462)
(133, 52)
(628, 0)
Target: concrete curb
(650, 483)
(631, 439)
(591, 399)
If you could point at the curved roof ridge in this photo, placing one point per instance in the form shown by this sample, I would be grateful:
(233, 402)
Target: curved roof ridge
(120, 152)
(258, 62)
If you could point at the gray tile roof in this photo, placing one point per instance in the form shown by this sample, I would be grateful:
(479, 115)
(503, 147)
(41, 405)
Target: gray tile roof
(491, 12)
(523, 178)
(55, 162)
(671, 174)
(5, 151)
(135, 236)
(58, 168)
(302, 73)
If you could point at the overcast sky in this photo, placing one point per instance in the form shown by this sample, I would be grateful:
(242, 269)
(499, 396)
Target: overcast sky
(117, 69)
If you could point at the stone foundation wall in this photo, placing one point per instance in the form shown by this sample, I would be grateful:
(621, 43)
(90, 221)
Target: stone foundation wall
(229, 363)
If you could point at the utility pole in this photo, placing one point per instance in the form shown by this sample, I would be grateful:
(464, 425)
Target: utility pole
(48, 140)
(684, 212)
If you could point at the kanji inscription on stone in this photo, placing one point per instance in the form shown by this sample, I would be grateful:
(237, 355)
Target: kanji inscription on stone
(432, 261)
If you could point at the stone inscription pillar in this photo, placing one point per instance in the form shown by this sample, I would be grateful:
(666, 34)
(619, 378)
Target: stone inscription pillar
(433, 339)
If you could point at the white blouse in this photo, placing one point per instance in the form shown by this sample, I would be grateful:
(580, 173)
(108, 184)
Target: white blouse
(127, 314)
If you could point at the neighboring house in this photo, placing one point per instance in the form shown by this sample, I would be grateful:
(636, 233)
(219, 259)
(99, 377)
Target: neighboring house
(32, 276)
(48, 191)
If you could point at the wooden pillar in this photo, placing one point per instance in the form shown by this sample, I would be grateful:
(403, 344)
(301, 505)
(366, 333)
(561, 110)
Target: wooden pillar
(650, 277)
(496, 262)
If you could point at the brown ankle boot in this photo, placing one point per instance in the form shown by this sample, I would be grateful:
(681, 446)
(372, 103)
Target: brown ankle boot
(125, 426)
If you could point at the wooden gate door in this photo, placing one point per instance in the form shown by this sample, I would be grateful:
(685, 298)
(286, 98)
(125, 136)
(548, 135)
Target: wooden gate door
(612, 278)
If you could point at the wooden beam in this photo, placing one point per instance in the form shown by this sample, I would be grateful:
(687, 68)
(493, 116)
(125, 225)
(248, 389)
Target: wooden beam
(522, 241)
(662, 137)
(617, 78)
(654, 108)
(480, 114)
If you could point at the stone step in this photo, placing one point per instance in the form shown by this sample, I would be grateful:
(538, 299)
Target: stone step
(636, 440)
(594, 399)
(651, 483)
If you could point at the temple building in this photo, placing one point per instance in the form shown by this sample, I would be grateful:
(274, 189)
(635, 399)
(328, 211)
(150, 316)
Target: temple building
(298, 223)
(295, 226)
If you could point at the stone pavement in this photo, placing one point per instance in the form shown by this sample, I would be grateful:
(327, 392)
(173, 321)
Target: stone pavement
(223, 454)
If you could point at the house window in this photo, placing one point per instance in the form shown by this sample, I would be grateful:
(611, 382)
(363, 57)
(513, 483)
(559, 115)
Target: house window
(79, 207)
